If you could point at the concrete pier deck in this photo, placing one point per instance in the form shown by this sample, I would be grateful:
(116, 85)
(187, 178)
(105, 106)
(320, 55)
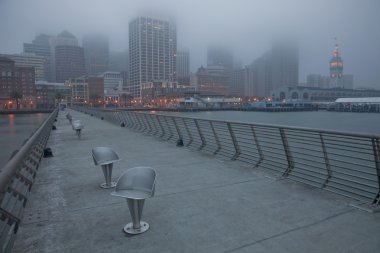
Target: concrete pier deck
(201, 204)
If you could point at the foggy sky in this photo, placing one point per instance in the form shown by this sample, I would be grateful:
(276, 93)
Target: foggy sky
(246, 26)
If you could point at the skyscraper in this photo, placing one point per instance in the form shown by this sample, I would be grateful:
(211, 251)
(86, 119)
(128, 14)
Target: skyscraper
(284, 64)
(152, 52)
(183, 67)
(96, 53)
(220, 63)
(69, 62)
(276, 68)
(40, 47)
(63, 39)
(183, 63)
(220, 57)
(118, 61)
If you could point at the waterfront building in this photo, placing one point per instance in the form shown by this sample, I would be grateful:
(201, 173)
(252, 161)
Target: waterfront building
(237, 83)
(65, 38)
(152, 52)
(348, 82)
(79, 90)
(112, 80)
(317, 81)
(363, 104)
(320, 81)
(47, 93)
(315, 94)
(96, 53)
(29, 60)
(69, 62)
(95, 88)
(16, 80)
(163, 90)
(212, 80)
(7, 81)
(206, 100)
(25, 76)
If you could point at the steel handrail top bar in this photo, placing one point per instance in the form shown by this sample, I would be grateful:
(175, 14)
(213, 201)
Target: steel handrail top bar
(304, 129)
(8, 170)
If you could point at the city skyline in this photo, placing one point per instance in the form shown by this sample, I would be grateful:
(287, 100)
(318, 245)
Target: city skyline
(247, 27)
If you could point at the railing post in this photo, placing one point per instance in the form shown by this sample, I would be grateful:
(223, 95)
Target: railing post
(170, 131)
(162, 128)
(177, 128)
(200, 135)
(216, 138)
(376, 154)
(154, 119)
(258, 147)
(150, 129)
(327, 161)
(139, 124)
(234, 141)
(188, 132)
(288, 153)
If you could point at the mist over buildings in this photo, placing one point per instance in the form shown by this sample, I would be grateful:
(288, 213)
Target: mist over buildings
(246, 27)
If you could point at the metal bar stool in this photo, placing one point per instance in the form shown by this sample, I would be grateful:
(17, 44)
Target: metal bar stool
(77, 127)
(136, 185)
(105, 157)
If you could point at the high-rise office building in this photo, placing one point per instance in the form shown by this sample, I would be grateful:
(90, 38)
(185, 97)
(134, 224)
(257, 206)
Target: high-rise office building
(96, 53)
(276, 68)
(69, 62)
(183, 63)
(284, 65)
(183, 67)
(41, 47)
(220, 57)
(152, 52)
(65, 38)
(220, 63)
(118, 61)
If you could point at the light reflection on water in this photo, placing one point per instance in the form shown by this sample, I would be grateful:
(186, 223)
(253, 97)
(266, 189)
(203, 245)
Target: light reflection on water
(14, 129)
(11, 121)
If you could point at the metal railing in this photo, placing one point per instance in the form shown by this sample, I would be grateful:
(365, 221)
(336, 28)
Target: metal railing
(341, 162)
(16, 180)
